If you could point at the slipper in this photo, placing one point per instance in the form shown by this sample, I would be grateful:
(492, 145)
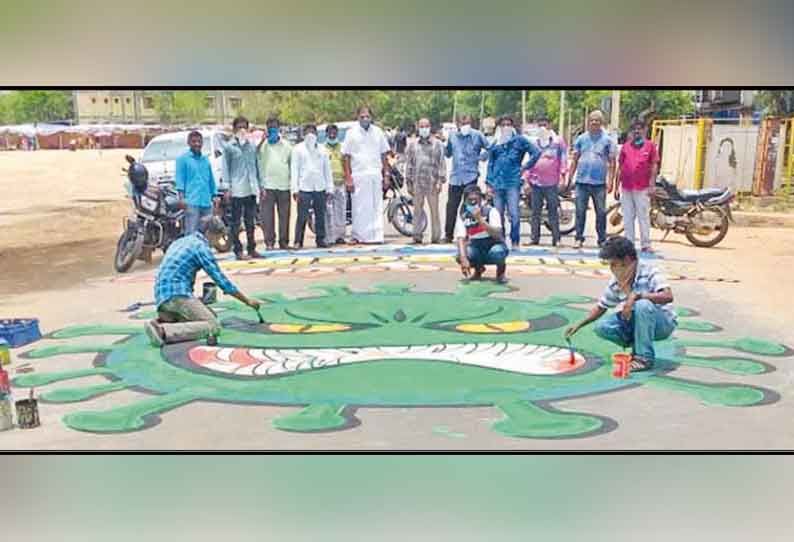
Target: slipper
(639, 364)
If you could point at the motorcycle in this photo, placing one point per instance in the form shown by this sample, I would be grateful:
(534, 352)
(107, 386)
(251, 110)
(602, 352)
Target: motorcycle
(703, 216)
(155, 222)
(566, 210)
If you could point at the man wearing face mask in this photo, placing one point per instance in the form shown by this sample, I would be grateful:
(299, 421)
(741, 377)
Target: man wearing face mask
(426, 171)
(466, 146)
(643, 299)
(478, 231)
(637, 166)
(335, 220)
(241, 168)
(505, 170)
(545, 178)
(365, 152)
(274, 160)
(310, 172)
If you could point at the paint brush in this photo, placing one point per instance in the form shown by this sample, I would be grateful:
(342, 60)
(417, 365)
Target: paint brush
(572, 351)
(261, 320)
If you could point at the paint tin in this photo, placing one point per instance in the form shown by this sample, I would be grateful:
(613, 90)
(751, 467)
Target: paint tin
(209, 293)
(5, 353)
(621, 365)
(28, 412)
(5, 383)
(6, 419)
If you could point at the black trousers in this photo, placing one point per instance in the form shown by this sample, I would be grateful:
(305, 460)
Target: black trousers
(315, 201)
(247, 208)
(454, 198)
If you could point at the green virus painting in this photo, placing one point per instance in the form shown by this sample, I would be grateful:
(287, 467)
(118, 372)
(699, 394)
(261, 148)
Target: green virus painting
(340, 350)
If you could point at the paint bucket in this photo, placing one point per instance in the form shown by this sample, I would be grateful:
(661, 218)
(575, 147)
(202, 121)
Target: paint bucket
(28, 412)
(209, 294)
(5, 353)
(5, 381)
(621, 365)
(6, 419)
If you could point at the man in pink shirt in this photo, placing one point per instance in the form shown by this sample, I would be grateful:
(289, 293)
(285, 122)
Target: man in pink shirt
(638, 164)
(544, 180)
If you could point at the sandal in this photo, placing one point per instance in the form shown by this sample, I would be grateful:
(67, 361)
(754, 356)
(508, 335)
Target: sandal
(639, 364)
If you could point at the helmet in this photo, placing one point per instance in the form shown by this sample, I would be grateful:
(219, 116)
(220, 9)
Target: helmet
(138, 175)
(212, 226)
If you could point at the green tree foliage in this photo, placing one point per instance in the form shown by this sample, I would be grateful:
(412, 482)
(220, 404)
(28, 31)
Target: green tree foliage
(36, 106)
(779, 103)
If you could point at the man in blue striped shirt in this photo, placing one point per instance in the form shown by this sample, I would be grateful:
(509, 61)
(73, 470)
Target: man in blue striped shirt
(180, 316)
(643, 299)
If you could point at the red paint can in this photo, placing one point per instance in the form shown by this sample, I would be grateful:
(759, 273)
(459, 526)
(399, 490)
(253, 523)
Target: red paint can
(5, 384)
(621, 365)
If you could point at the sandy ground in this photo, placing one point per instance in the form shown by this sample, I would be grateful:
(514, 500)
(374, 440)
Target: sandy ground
(56, 255)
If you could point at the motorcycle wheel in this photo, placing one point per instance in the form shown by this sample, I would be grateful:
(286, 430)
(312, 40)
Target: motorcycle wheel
(128, 248)
(707, 236)
(615, 225)
(402, 218)
(567, 214)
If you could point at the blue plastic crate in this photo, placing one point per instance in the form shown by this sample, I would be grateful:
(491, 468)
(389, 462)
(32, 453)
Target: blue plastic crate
(19, 332)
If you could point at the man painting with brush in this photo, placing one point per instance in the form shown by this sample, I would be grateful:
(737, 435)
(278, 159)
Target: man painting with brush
(180, 316)
(642, 297)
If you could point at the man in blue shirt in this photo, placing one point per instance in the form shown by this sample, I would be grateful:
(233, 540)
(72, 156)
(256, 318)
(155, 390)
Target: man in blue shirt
(195, 183)
(504, 173)
(593, 168)
(465, 147)
(180, 316)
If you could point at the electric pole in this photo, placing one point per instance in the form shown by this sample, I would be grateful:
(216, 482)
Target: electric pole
(615, 121)
(562, 112)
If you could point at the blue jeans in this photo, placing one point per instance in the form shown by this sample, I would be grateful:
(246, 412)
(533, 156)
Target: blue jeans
(648, 323)
(482, 252)
(510, 197)
(598, 193)
(193, 216)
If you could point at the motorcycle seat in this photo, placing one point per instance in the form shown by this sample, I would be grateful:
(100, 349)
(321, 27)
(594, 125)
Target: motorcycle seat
(702, 195)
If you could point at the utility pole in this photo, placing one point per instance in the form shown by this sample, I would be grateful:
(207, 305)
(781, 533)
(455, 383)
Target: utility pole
(482, 106)
(454, 105)
(523, 109)
(562, 112)
(615, 121)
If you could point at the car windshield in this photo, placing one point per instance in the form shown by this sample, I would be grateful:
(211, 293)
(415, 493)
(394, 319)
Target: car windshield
(169, 149)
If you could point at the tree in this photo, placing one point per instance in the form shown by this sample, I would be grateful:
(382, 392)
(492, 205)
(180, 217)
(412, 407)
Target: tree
(777, 103)
(190, 106)
(36, 106)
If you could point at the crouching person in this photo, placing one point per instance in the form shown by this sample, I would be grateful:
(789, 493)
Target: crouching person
(478, 230)
(180, 316)
(643, 299)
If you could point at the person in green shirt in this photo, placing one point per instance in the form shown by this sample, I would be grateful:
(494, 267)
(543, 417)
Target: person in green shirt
(274, 161)
(335, 219)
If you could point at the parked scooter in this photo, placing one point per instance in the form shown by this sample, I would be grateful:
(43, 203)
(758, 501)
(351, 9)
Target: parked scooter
(703, 216)
(156, 220)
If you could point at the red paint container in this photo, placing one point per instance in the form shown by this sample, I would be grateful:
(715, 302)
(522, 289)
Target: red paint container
(5, 384)
(621, 365)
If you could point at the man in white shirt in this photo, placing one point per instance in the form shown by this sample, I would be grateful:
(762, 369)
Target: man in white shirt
(311, 180)
(366, 175)
(478, 230)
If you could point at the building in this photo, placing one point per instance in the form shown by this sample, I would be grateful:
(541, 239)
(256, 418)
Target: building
(725, 104)
(138, 106)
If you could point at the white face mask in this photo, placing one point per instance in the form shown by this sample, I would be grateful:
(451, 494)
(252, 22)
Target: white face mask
(545, 134)
(424, 132)
(505, 133)
(242, 134)
(311, 140)
(465, 129)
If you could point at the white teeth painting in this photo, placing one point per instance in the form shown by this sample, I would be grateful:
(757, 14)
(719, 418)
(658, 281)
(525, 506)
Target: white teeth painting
(258, 362)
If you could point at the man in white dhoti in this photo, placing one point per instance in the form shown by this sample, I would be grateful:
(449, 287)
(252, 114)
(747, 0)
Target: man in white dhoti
(364, 153)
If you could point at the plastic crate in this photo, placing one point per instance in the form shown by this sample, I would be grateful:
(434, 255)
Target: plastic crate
(19, 332)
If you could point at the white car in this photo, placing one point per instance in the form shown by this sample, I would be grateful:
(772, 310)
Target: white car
(161, 153)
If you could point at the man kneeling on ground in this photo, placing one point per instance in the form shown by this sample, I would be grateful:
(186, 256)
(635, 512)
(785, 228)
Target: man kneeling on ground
(478, 230)
(643, 298)
(180, 316)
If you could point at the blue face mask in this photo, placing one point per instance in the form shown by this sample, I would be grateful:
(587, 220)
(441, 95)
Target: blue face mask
(331, 141)
(470, 208)
(639, 141)
(272, 135)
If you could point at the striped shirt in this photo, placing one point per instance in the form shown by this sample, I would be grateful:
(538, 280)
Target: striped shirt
(181, 262)
(648, 280)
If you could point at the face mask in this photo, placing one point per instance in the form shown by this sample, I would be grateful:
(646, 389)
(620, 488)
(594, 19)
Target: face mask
(311, 140)
(470, 208)
(364, 123)
(242, 133)
(332, 141)
(544, 134)
(424, 132)
(465, 129)
(272, 135)
(639, 141)
(505, 133)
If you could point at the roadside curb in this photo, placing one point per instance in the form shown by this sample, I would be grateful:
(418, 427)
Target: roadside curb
(763, 220)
